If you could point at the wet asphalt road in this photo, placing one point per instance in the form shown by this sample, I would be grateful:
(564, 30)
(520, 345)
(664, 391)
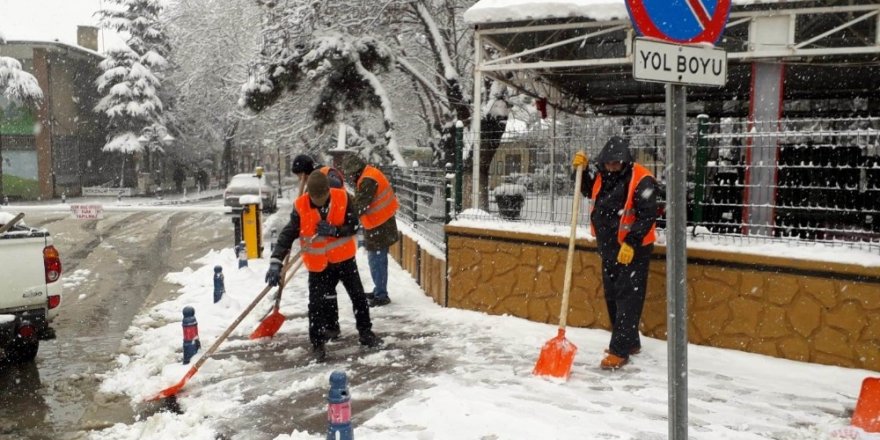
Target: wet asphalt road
(112, 268)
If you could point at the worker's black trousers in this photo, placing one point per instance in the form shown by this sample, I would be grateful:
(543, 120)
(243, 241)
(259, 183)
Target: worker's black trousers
(625, 289)
(322, 297)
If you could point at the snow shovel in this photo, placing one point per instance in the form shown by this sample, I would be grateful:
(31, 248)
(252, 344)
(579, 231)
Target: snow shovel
(557, 355)
(173, 390)
(867, 412)
(274, 320)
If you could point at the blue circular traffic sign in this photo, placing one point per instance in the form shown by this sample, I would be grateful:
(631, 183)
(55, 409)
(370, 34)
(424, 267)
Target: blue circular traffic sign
(680, 21)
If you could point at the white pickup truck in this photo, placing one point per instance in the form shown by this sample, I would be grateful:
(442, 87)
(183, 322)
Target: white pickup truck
(30, 291)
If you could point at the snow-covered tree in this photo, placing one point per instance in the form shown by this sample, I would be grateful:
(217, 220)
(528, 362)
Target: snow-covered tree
(18, 88)
(299, 49)
(132, 75)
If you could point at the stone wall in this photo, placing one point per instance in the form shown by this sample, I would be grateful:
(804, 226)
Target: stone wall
(428, 270)
(809, 311)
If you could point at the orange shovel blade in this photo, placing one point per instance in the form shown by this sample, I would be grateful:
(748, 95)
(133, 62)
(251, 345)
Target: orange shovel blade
(269, 326)
(867, 412)
(173, 390)
(556, 357)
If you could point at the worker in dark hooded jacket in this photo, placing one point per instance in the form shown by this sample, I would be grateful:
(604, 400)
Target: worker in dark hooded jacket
(623, 220)
(376, 205)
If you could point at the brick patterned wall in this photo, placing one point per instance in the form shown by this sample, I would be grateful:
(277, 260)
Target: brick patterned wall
(809, 311)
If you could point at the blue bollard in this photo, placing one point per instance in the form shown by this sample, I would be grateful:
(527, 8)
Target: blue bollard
(339, 408)
(219, 287)
(241, 251)
(191, 343)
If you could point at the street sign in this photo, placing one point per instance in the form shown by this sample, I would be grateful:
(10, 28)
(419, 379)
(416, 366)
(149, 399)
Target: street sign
(680, 21)
(87, 212)
(678, 64)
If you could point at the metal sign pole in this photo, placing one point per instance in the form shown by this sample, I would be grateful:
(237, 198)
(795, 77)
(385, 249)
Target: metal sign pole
(676, 260)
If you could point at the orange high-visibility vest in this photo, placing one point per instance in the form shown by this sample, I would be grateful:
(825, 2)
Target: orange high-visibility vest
(384, 203)
(629, 213)
(318, 251)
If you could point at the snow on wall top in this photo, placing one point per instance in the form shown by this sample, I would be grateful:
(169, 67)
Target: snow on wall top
(500, 11)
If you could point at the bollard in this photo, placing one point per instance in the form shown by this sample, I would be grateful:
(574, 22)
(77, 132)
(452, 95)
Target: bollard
(119, 197)
(191, 343)
(339, 408)
(219, 287)
(64, 197)
(241, 251)
(273, 238)
(6, 200)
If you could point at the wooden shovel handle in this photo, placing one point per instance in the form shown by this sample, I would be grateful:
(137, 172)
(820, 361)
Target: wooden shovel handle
(241, 317)
(575, 207)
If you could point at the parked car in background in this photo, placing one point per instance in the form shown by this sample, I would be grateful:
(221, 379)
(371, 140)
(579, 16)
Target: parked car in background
(249, 184)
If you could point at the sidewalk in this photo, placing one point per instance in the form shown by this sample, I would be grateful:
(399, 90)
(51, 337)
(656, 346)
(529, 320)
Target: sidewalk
(447, 374)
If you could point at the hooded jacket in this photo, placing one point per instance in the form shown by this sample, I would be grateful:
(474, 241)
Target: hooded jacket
(609, 203)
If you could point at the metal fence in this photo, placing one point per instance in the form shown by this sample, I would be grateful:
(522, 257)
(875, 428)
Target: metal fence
(802, 181)
(423, 200)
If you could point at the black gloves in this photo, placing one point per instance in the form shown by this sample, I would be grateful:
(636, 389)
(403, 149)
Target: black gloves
(327, 230)
(273, 275)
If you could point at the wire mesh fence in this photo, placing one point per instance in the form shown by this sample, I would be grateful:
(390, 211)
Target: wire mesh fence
(421, 193)
(802, 181)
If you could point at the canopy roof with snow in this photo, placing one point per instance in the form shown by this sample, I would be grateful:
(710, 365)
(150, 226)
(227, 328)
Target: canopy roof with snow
(578, 51)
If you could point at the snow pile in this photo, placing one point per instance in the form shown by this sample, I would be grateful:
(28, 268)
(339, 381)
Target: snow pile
(510, 189)
(452, 374)
(6, 318)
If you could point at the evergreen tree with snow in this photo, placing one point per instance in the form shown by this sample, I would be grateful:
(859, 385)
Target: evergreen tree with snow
(298, 49)
(17, 87)
(132, 76)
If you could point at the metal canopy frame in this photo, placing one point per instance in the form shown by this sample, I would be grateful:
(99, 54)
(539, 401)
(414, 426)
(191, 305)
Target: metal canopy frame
(794, 49)
(529, 77)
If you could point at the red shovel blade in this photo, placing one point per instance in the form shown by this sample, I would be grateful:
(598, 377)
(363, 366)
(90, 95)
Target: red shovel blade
(269, 326)
(556, 357)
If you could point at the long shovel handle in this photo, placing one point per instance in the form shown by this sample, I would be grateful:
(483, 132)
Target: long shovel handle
(575, 207)
(192, 371)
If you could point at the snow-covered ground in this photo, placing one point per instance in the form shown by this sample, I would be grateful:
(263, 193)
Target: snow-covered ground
(447, 374)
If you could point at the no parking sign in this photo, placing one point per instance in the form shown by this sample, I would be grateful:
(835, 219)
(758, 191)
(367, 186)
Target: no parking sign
(680, 21)
(683, 23)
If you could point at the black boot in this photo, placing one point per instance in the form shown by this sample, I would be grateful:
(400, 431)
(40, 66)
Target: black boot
(369, 339)
(332, 334)
(379, 302)
(319, 353)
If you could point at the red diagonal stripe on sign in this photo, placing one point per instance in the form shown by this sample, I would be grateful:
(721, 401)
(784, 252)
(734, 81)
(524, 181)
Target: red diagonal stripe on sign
(700, 12)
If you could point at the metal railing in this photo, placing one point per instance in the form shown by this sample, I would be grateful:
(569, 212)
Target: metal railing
(422, 194)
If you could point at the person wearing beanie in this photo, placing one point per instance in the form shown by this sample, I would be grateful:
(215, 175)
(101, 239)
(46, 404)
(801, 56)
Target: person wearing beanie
(623, 220)
(376, 205)
(324, 221)
(303, 165)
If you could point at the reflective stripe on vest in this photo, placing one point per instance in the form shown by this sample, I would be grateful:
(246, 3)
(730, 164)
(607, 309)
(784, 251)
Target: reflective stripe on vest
(384, 204)
(319, 251)
(628, 215)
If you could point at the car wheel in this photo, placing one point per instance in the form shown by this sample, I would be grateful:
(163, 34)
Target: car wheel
(23, 352)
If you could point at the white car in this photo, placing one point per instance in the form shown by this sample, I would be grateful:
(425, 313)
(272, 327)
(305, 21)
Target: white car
(249, 184)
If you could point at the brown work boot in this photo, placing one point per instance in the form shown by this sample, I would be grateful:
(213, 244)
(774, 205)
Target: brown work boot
(632, 351)
(612, 362)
